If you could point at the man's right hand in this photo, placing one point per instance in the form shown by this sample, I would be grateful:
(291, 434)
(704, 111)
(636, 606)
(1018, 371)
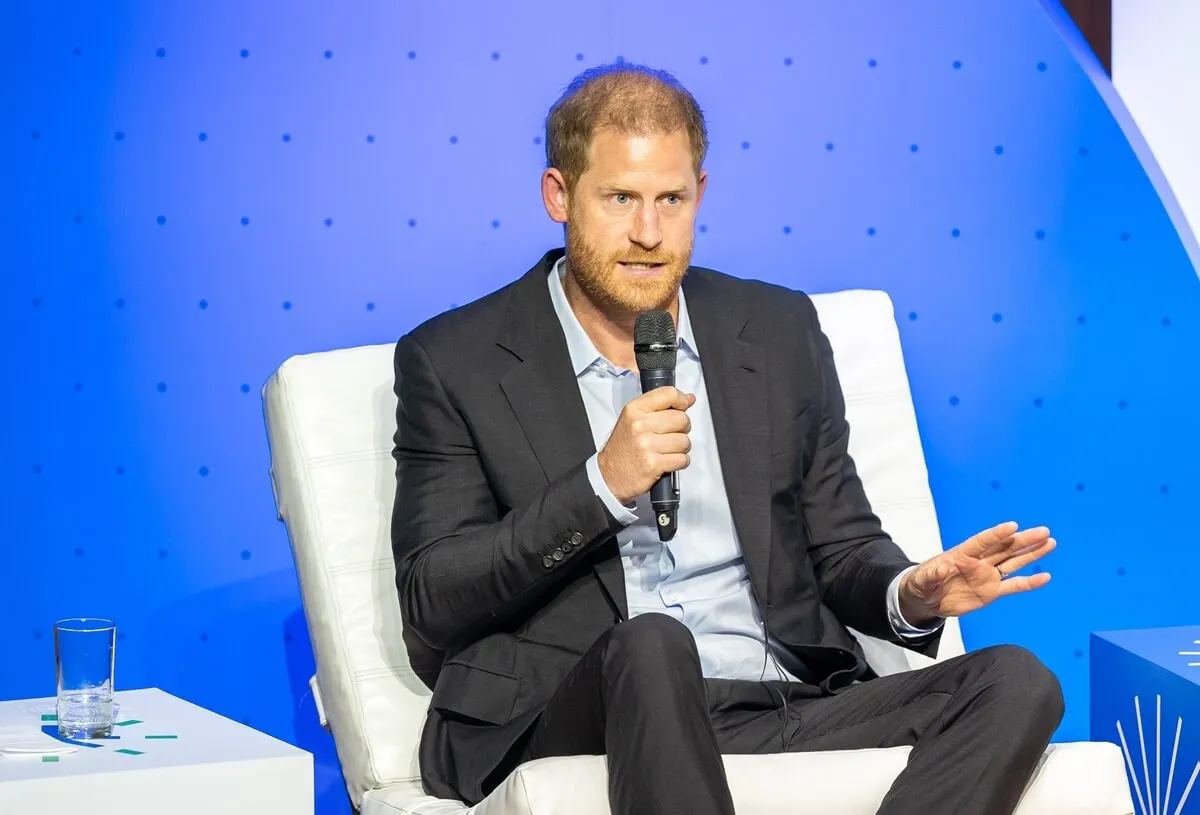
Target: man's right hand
(650, 439)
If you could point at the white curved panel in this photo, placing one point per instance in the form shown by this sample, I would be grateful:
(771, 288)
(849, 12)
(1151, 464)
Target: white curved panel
(1157, 75)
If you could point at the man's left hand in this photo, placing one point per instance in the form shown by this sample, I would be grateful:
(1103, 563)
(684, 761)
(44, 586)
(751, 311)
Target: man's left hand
(974, 573)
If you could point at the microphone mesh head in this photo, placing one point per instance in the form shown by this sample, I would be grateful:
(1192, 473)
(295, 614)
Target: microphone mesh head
(654, 327)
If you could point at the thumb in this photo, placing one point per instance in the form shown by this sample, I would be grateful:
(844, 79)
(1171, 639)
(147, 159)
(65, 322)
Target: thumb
(920, 578)
(934, 576)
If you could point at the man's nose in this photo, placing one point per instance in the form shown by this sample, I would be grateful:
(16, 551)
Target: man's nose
(646, 231)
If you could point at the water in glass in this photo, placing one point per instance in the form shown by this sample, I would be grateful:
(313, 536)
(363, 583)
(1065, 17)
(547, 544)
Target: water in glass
(85, 651)
(85, 714)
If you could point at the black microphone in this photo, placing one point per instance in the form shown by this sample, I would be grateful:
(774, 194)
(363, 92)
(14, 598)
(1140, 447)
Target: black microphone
(654, 348)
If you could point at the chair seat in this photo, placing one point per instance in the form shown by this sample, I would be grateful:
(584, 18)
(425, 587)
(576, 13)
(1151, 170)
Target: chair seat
(1075, 778)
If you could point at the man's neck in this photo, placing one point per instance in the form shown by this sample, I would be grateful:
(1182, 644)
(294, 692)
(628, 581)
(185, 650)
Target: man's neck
(609, 329)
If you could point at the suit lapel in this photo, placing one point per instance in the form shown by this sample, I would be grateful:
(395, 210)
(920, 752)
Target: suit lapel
(544, 396)
(735, 379)
(541, 389)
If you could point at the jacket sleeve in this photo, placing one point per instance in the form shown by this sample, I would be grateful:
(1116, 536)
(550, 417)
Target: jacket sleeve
(463, 567)
(854, 560)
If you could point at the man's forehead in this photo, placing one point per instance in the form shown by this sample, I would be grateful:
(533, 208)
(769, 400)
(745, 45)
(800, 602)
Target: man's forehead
(642, 157)
(610, 137)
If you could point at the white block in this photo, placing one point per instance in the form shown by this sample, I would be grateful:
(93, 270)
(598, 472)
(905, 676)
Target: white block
(214, 765)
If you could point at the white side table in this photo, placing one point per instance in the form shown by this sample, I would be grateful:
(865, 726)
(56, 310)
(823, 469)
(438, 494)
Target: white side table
(212, 765)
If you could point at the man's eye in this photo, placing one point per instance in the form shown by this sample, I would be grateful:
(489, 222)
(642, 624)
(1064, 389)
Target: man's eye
(621, 198)
(672, 199)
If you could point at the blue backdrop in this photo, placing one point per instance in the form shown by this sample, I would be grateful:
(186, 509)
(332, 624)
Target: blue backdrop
(196, 191)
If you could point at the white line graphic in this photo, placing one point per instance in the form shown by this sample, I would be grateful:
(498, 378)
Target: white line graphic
(1192, 654)
(1151, 800)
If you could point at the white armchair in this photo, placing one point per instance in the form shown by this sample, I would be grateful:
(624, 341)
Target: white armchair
(330, 419)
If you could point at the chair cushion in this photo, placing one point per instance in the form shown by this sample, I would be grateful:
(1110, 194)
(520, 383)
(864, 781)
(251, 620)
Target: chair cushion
(1079, 778)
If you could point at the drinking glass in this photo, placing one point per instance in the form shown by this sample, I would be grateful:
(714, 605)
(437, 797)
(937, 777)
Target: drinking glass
(84, 661)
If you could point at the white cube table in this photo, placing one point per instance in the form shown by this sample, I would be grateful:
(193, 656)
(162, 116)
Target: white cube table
(212, 765)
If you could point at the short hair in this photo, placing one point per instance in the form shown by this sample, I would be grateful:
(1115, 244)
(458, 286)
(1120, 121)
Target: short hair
(624, 98)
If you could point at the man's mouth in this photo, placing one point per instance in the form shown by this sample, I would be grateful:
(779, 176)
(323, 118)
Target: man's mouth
(641, 267)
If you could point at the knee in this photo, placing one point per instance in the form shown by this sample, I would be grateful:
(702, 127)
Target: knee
(1024, 676)
(651, 640)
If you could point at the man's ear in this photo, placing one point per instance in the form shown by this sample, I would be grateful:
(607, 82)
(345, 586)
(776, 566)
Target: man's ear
(554, 195)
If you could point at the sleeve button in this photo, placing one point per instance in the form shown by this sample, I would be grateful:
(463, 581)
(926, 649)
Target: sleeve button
(557, 554)
(547, 561)
(576, 539)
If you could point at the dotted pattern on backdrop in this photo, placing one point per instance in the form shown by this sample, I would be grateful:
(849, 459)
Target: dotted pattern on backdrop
(197, 197)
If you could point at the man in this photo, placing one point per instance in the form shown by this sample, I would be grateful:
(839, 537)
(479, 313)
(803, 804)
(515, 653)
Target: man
(526, 553)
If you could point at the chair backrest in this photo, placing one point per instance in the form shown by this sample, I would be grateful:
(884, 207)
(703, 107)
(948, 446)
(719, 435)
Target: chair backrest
(330, 420)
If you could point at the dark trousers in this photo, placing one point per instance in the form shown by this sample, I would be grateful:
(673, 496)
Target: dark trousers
(977, 724)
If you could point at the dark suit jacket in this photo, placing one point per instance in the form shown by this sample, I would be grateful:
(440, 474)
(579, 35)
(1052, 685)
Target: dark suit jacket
(506, 562)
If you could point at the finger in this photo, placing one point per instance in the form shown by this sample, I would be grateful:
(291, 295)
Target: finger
(1035, 535)
(988, 540)
(1000, 555)
(667, 443)
(1000, 539)
(1018, 562)
(667, 421)
(667, 396)
(1016, 585)
(1018, 544)
(675, 461)
(682, 400)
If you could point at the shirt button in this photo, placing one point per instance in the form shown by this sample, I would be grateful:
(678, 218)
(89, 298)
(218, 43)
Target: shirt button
(576, 538)
(547, 561)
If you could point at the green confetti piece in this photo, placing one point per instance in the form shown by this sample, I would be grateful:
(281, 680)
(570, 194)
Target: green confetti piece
(49, 759)
(129, 752)
(127, 722)
(162, 737)
(49, 717)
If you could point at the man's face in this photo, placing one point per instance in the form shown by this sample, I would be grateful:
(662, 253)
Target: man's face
(631, 217)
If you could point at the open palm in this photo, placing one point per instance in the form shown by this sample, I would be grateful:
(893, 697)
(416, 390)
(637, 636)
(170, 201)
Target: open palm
(977, 571)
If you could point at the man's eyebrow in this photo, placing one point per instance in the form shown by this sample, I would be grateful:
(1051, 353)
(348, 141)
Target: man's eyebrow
(616, 188)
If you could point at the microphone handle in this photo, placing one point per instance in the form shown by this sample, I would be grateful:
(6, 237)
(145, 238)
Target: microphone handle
(664, 494)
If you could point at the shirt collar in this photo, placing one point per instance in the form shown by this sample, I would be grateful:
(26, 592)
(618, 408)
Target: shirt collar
(580, 346)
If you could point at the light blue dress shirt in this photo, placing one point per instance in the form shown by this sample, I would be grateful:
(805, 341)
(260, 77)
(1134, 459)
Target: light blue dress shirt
(700, 576)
